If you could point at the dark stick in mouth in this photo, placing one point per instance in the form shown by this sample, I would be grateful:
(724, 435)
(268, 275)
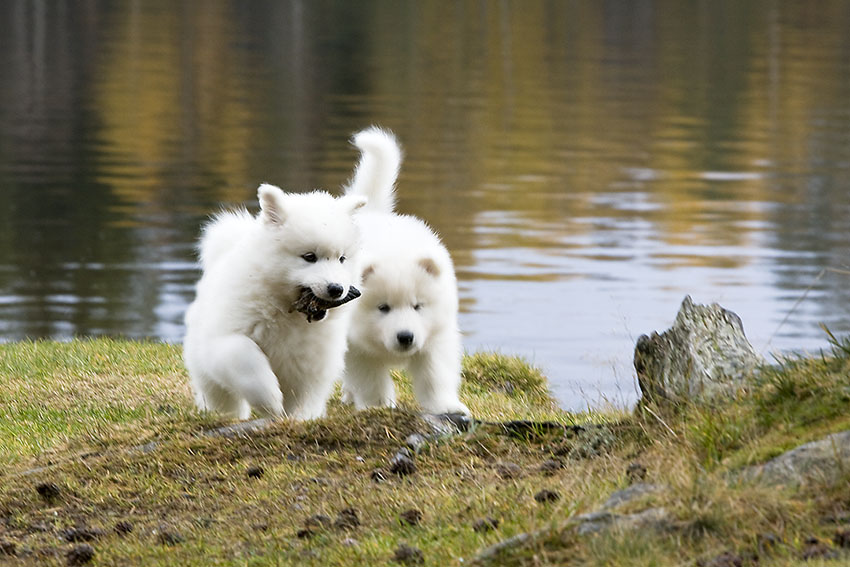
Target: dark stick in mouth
(315, 308)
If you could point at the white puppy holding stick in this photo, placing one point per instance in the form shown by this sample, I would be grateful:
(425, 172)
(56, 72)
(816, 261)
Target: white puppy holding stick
(267, 329)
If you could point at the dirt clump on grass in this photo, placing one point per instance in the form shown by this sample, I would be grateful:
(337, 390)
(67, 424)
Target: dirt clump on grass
(80, 554)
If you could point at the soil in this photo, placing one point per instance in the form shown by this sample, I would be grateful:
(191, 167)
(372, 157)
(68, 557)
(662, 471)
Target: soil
(167, 535)
(347, 519)
(80, 554)
(402, 463)
(320, 521)
(123, 528)
(547, 496)
(48, 490)
(82, 534)
(508, 470)
(551, 467)
(8, 548)
(410, 517)
(817, 549)
(636, 472)
(407, 555)
(842, 538)
(485, 525)
(255, 472)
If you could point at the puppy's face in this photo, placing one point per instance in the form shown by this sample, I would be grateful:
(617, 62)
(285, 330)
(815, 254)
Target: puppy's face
(314, 241)
(400, 307)
(325, 270)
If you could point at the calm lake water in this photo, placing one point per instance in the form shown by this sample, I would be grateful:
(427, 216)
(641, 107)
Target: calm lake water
(587, 163)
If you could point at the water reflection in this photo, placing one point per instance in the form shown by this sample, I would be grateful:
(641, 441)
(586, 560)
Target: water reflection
(586, 163)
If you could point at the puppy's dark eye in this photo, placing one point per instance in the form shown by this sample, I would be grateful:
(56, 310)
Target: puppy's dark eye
(342, 259)
(310, 257)
(417, 307)
(384, 308)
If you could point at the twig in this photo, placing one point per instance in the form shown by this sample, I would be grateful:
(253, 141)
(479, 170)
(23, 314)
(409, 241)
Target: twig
(661, 421)
(797, 303)
(793, 308)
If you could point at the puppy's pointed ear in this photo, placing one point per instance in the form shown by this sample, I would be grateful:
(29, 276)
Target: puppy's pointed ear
(271, 204)
(430, 266)
(352, 202)
(368, 271)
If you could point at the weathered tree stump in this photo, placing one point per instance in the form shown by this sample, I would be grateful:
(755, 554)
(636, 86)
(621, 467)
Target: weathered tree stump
(704, 355)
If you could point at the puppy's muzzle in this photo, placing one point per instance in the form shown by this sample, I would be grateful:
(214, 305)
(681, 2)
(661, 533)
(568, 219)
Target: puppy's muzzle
(335, 290)
(405, 339)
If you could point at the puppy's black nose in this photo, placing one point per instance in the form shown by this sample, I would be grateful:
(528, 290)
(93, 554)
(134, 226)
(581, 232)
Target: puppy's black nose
(335, 290)
(405, 338)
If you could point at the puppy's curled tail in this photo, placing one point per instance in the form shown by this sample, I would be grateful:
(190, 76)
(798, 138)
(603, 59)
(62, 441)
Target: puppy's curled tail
(377, 171)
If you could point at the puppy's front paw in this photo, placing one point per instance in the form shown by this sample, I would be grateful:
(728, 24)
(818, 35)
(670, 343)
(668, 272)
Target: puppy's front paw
(452, 406)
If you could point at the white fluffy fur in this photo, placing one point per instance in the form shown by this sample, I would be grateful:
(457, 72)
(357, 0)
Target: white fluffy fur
(409, 294)
(244, 346)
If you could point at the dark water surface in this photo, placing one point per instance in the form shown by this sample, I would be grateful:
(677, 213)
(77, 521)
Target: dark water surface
(587, 163)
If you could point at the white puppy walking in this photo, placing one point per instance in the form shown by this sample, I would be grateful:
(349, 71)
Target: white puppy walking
(407, 315)
(265, 330)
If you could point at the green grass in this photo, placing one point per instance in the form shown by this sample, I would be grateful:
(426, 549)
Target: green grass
(75, 414)
(56, 396)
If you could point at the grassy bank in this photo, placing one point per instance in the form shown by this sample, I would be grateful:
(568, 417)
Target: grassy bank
(101, 447)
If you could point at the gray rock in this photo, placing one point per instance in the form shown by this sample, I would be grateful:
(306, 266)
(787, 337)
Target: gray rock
(651, 518)
(704, 355)
(594, 522)
(585, 525)
(491, 551)
(606, 518)
(416, 441)
(630, 494)
(823, 459)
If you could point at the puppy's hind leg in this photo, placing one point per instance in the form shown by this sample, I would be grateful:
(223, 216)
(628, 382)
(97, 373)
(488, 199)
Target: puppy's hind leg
(241, 368)
(367, 382)
(209, 396)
